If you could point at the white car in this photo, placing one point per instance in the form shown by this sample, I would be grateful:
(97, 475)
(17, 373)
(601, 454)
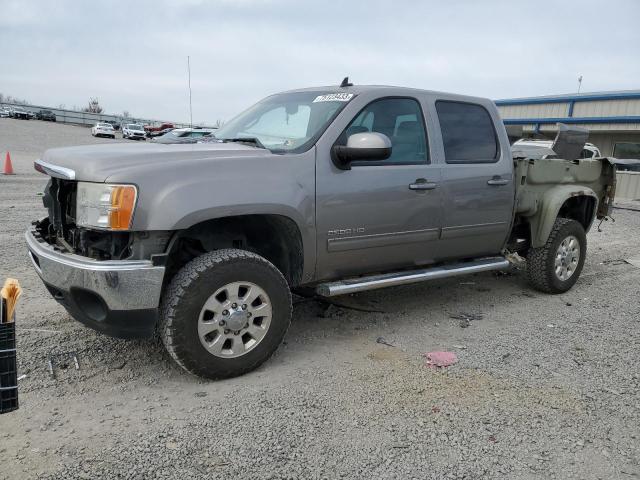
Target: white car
(545, 148)
(133, 130)
(4, 112)
(101, 129)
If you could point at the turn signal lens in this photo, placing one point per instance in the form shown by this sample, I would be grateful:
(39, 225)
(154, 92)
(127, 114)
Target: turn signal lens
(123, 201)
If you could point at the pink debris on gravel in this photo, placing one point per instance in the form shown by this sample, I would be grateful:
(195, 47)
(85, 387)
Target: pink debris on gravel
(440, 359)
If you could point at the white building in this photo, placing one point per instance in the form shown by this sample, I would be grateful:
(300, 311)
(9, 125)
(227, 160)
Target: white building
(613, 118)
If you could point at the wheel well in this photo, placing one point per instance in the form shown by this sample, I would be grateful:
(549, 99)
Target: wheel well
(274, 237)
(580, 208)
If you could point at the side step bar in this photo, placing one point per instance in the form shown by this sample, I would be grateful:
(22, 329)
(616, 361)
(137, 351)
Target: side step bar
(372, 282)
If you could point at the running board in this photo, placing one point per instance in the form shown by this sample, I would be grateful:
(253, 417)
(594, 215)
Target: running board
(372, 282)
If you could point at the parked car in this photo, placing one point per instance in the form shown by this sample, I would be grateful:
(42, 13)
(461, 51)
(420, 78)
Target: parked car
(628, 164)
(183, 135)
(103, 129)
(333, 190)
(46, 115)
(160, 133)
(134, 131)
(19, 112)
(545, 147)
(151, 130)
(4, 112)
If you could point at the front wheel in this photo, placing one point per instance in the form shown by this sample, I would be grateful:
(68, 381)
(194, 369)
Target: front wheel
(225, 313)
(556, 266)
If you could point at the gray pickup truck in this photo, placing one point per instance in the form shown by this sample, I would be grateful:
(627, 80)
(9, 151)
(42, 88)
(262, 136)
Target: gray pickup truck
(331, 190)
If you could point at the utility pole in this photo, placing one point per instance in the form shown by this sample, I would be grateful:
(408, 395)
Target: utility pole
(579, 83)
(190, 108)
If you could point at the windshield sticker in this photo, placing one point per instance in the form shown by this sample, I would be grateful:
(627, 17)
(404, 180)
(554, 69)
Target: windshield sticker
(334, 97)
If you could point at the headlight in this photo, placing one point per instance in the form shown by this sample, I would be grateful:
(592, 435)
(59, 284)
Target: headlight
(105, 206)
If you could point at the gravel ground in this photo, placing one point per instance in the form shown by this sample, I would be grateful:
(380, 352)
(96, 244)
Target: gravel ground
(545, 387)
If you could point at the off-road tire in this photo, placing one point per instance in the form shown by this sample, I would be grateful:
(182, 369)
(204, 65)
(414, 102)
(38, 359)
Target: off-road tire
(541, 261)
(186, 294)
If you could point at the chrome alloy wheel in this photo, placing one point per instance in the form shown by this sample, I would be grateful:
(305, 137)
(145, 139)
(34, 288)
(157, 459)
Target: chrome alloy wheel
(234, 319)
(567, 258)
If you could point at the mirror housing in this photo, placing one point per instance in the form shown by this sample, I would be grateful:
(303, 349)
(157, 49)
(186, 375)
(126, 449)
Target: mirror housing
(367, 146)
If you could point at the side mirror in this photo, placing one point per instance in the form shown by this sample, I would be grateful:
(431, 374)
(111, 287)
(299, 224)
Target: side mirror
(368, 146)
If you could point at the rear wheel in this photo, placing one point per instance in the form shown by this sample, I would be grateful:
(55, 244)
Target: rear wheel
(225, 313)
(556, 266)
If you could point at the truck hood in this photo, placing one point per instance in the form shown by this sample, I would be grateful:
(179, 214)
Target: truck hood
(99, 163)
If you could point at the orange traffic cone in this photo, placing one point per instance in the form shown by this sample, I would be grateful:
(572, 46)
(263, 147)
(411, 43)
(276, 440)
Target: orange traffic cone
(8, 168)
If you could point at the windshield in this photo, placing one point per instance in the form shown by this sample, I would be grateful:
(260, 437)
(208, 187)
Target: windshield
(287, 122)
(135, 127)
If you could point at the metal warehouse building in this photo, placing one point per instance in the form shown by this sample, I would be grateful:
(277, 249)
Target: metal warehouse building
(613, 118)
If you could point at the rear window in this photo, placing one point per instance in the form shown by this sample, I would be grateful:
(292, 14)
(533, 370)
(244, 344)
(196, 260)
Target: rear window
(467, 133)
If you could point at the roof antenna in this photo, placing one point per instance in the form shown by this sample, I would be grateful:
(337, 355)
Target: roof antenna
(346, 83)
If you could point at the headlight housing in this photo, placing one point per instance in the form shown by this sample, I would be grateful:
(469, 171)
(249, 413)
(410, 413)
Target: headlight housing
(105, 206)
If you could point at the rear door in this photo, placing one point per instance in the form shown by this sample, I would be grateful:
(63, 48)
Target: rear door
(379, 215)
(477, 179)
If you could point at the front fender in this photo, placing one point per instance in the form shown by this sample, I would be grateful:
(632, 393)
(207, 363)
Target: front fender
(173, 199)
(549, 204)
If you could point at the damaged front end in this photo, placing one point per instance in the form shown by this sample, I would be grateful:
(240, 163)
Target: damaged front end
(109, 280)
(60, 229)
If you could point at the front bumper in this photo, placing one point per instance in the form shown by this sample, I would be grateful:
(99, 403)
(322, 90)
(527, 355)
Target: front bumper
(117, 297)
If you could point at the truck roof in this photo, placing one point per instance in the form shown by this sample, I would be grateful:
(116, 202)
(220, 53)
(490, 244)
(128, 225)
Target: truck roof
(389, 90)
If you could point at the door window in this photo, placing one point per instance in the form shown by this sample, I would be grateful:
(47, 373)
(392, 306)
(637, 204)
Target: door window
(467, 133)
(402, 121)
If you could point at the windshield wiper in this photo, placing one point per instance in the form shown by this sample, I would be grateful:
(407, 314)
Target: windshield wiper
(251, 140)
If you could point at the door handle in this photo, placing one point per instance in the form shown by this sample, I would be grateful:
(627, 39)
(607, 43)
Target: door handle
(422, 184)
(497, 181)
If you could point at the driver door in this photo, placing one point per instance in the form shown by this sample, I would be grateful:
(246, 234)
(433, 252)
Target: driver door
(379, 215)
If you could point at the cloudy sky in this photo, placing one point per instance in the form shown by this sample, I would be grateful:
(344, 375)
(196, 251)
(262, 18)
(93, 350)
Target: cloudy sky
(132, 55)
